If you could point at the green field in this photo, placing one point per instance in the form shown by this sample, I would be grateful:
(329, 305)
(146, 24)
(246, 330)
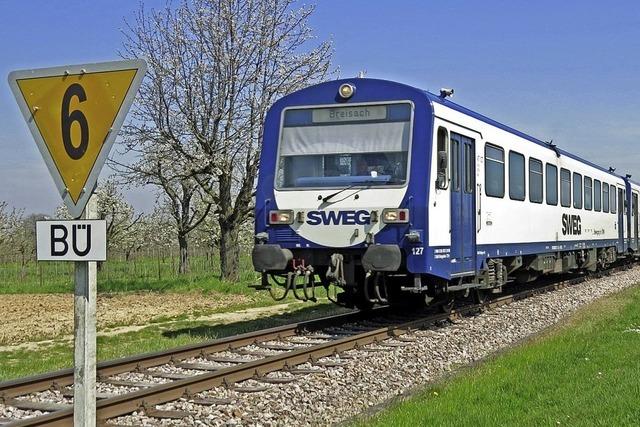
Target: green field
(585, 372)
(148, 273)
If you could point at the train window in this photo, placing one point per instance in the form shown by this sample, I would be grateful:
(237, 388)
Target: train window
(552, 184)
(565, 188)
(516, 176)
(612, 204)
(469, 175)
(605, 197)
(577, 190)
(345, 146)
(455, 165)
(588, 193)
(597, 195)
(442, 154)
(535, 180)
(494, 171)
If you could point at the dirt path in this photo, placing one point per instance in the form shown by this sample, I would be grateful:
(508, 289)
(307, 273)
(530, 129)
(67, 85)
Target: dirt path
(220, 318)
(28, 317)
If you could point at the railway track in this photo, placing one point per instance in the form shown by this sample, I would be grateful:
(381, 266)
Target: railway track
(183, 373)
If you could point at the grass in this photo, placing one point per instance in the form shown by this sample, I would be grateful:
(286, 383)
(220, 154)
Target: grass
(117, 275)
(16, 364)
(585, 372)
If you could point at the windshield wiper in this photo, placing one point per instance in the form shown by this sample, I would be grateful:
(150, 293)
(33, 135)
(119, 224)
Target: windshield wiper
(332, 195)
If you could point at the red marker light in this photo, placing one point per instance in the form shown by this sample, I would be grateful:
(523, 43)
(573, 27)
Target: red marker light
(403, 215)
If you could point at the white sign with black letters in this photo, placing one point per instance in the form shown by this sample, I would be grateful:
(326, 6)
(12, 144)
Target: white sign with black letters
(76, 240)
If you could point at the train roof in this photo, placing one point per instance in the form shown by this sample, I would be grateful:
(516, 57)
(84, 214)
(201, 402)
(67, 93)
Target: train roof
(388, 85)
(464, 110)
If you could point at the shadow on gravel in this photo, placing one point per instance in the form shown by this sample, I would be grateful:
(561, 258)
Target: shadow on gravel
(223, 330)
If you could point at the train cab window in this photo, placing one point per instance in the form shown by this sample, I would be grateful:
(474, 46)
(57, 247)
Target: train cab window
(605, 197)
(516, 176)
(565, 188)
(588, 193)
(344, 146)
(442, 154)
(577, 190)
(597, 195)
(552, 184)
(535, 180)
(494, 171)
(612, 203)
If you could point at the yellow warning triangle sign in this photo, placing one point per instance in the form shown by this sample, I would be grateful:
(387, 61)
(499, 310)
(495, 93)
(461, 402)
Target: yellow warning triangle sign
(74, 114)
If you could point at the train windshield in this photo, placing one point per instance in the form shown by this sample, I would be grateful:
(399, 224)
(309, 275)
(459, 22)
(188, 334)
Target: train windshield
(345, 146)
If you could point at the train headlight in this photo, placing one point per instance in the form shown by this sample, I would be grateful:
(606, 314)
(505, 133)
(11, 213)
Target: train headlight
(395, 216)
(346, 90)
(281, 217)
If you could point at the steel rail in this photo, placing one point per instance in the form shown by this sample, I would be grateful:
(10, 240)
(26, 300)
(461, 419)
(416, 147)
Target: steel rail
(64, 377)
(130, 402)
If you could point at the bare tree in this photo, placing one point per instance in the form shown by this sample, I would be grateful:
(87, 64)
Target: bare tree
(186, 207)
(14, 234)
(179, 195)
(5, 223)
(119, 215)
(215, 67)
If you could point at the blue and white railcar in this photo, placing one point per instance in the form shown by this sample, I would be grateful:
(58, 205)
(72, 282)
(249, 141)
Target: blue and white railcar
(388, 191)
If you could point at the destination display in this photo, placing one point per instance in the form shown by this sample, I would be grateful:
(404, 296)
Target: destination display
(349, 114)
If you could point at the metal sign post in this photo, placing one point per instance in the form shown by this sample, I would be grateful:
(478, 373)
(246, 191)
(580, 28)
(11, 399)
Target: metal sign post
(84, 367)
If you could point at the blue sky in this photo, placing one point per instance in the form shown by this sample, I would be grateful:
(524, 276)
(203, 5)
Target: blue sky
(567, 71)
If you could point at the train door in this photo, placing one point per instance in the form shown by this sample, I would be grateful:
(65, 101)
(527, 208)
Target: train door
(463, 218)
(634, 221)
(621, 223)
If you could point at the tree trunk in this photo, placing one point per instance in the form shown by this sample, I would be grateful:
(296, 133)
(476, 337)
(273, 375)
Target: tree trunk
(183, 243)
(229, 252)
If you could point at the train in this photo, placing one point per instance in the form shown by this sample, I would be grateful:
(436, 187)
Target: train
(383, 193)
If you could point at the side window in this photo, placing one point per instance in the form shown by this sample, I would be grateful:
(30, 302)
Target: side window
(516, 176)
(565, 188)
(605, 197)
(455, 166)
(494, 171)
(552, 184)
(577, 190)
(612, 204)
(535, 180)
(597, 195)
(588, 193)
(469, 175)
(442, 159)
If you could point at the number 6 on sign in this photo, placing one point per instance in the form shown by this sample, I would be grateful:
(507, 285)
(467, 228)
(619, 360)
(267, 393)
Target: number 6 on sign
(74, 114)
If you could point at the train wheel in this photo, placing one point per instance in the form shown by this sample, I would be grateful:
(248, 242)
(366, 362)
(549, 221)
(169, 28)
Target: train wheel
(479, 296)
(446, 303)
(362, 303)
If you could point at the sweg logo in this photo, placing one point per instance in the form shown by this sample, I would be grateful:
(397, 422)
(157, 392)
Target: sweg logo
(341, 217)
(571, 224)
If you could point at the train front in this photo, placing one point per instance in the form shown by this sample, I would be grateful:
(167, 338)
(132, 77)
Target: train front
(335, 204)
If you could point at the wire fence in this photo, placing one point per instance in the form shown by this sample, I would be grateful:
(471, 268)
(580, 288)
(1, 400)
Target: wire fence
(147, 265)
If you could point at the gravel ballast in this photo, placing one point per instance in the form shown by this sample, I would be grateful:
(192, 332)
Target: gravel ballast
(366, 379)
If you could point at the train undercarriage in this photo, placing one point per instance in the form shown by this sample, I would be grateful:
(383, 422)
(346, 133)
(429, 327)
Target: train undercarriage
(351, 280)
